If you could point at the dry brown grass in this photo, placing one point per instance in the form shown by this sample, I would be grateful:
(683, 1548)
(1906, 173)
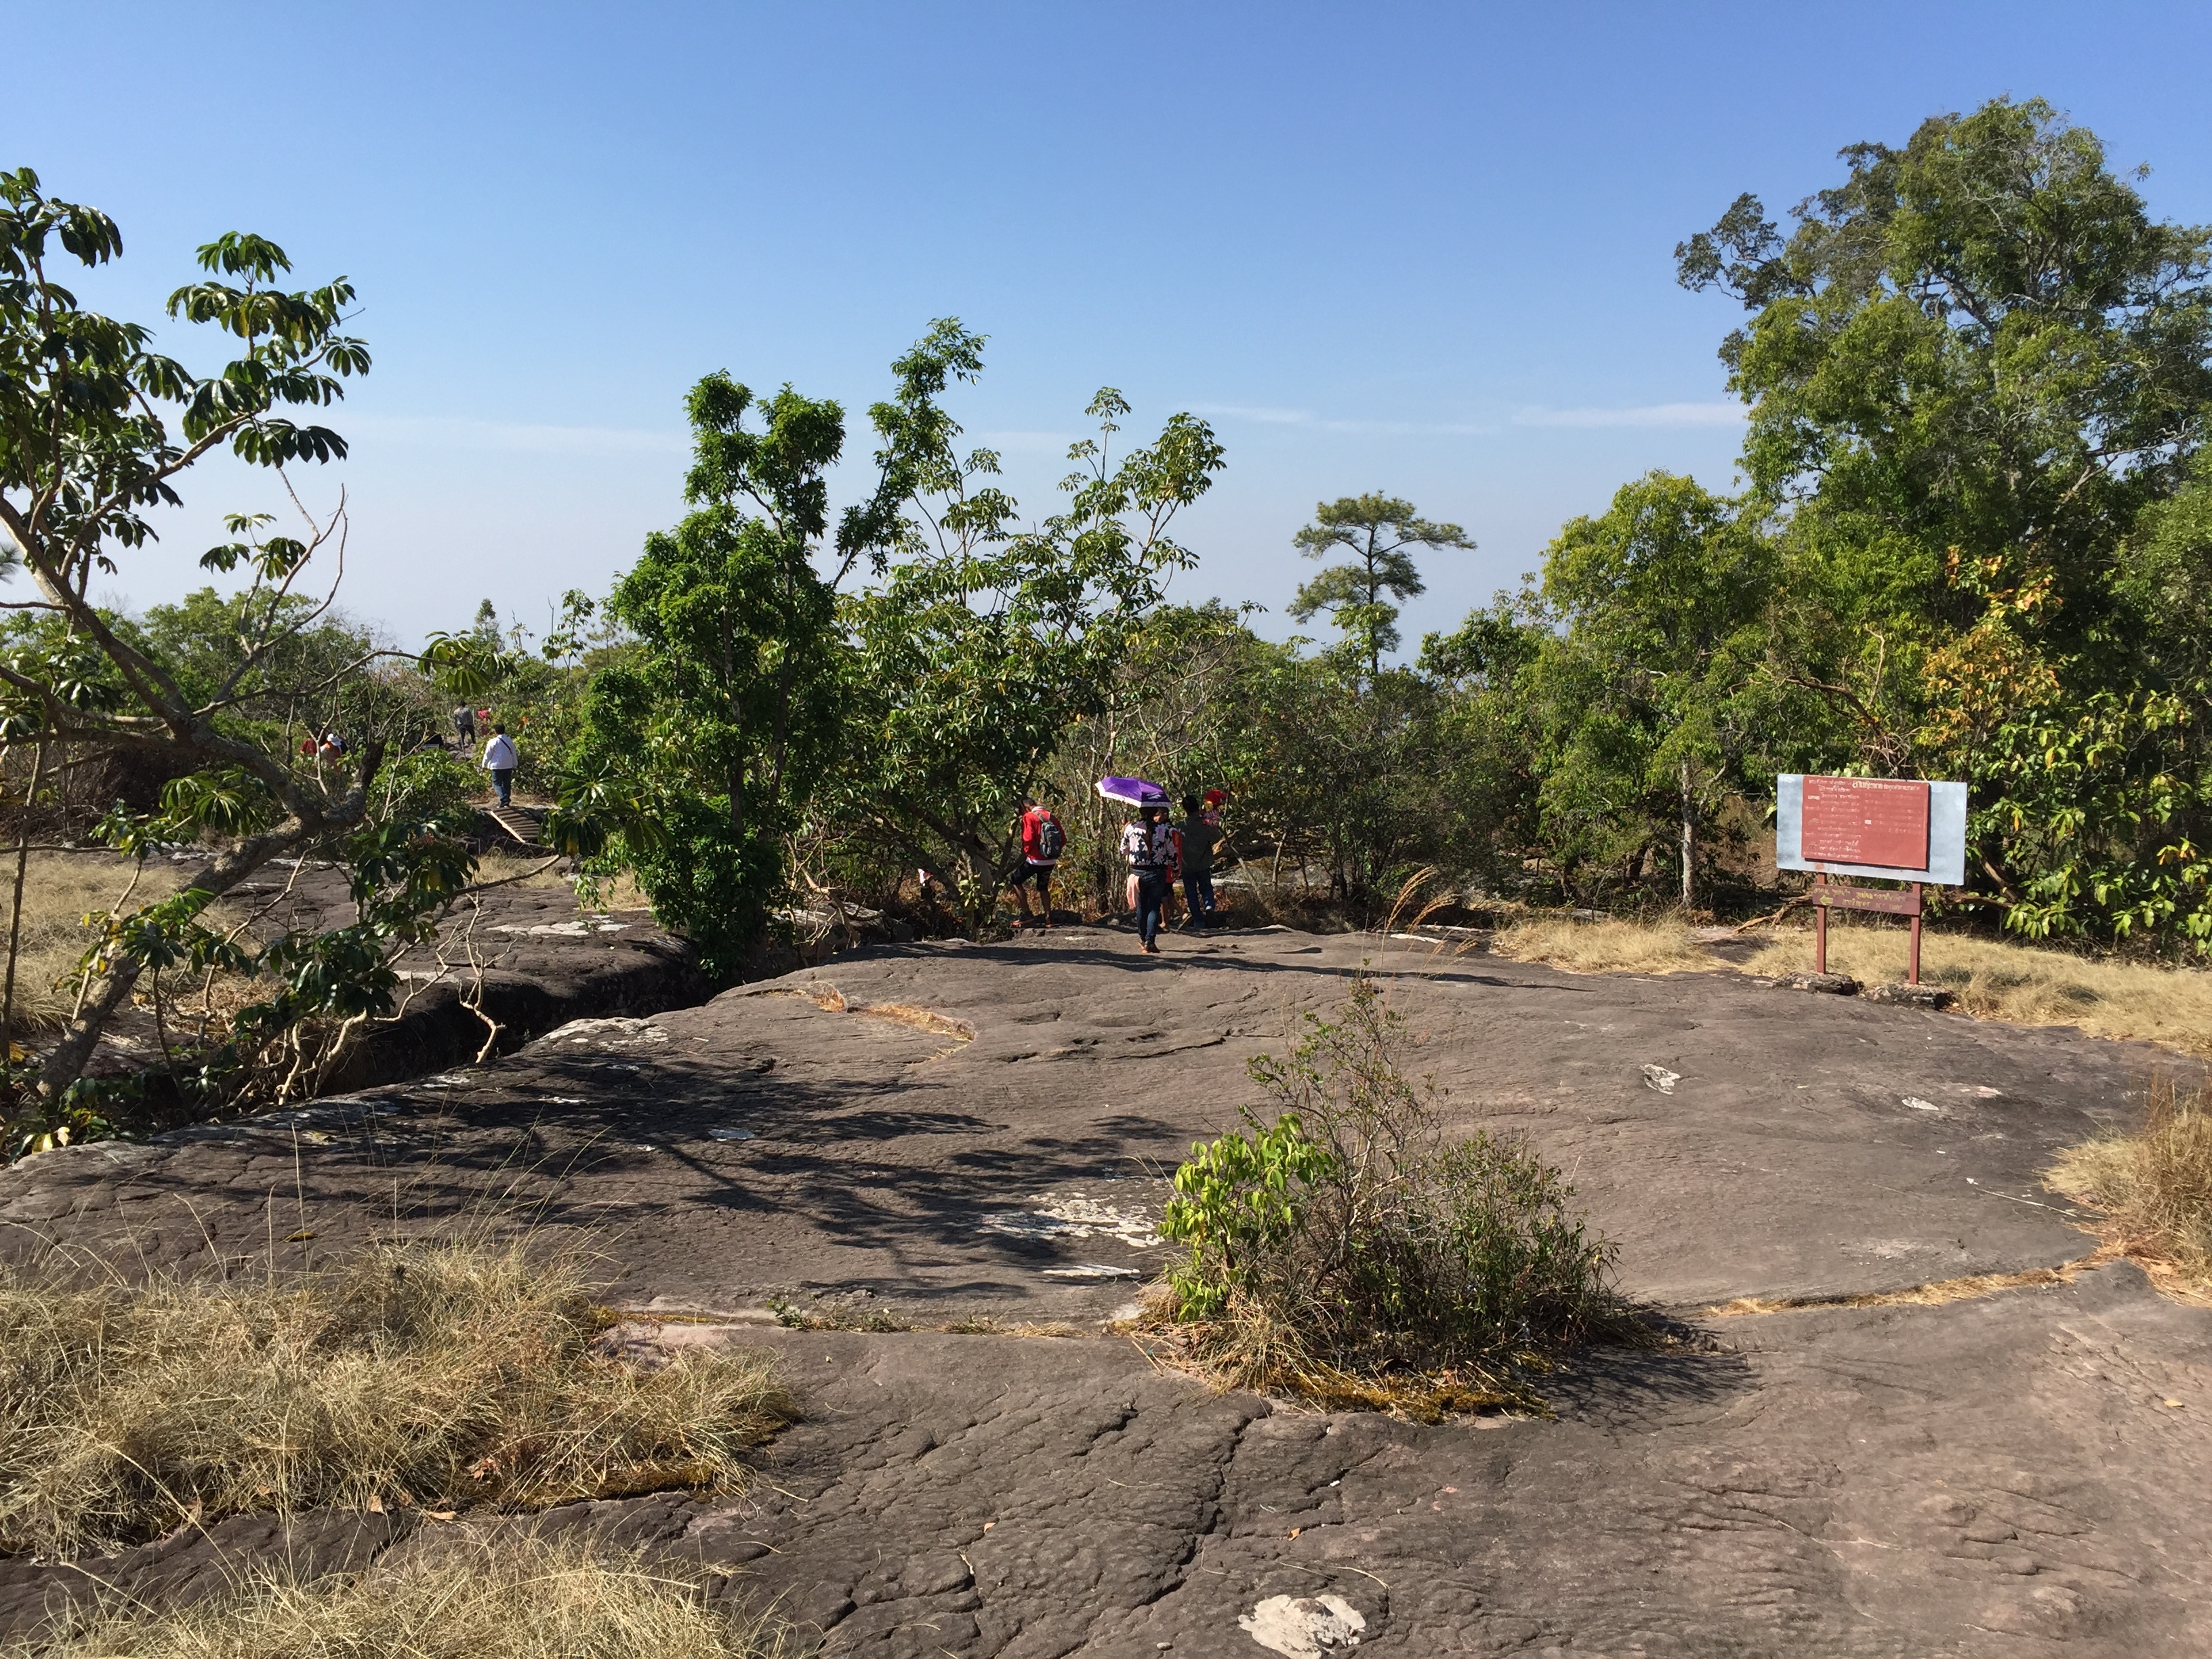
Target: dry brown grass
(831, 1000)
(431, 1374)
(2154, 1184)
(59, 889)
(506, 1597)
(2032, 985)
(1603, 947)
(539, 870)
(1934, 1294)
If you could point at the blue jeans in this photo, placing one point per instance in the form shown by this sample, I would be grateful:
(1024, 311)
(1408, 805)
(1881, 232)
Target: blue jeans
(1151, 899)
(1198, 888)
(503, 779)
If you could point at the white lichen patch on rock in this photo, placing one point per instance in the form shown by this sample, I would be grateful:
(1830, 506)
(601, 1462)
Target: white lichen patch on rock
(1304, 1627)
(618, 1031)
(1074, 1215)
(583, 927)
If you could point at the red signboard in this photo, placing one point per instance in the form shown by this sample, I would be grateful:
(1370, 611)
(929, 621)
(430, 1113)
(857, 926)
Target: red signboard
(1880, 821)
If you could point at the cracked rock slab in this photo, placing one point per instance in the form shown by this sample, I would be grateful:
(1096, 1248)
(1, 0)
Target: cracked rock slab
(1733, 1141)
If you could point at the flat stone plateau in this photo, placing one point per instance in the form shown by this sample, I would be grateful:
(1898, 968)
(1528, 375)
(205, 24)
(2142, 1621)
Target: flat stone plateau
(932, 1132)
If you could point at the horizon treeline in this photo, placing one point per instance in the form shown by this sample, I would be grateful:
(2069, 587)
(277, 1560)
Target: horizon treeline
(1973, 540)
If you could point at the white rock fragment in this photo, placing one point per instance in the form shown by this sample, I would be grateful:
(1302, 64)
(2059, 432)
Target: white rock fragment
(1090, 1270)
(1659, 1078)
(729, 1135)
(1920, 1105)
(620, 1030)
(1304, 1627)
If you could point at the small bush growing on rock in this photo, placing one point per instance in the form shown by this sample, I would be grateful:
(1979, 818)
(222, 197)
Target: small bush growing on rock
(1350, 1236)
(431, 1374)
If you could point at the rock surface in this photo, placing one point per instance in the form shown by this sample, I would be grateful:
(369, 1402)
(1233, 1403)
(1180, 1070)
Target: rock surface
(941, 1131)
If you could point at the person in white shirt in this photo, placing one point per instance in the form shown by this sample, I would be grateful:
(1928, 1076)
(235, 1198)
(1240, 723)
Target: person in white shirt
(500, 760)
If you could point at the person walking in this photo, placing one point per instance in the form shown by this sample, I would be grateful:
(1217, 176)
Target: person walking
(1201, 834)
(465, 723)
(1042, 841)
(500, 759)
(1146, 845)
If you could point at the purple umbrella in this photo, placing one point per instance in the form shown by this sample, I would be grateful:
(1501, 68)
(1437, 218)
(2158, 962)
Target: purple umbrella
(1133, 791)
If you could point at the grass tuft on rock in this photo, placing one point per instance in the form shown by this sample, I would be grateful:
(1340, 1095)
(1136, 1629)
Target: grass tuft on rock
(508, 1597)
(2154, 1182)
(1604, 947)
(1348, 1251)
(435, 1375)
(2027, 984)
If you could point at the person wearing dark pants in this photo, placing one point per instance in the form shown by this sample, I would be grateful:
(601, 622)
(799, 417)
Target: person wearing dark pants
(1151, 902)
(500, 759)
(1146, 845)
(1199, 838)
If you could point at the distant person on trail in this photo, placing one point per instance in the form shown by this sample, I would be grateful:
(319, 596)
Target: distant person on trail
(1042, 842)
(500, 759)
(1146, 845)
(465, 724)
(1201, 834)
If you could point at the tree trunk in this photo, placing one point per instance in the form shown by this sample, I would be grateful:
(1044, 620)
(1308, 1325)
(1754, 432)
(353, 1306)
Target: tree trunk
(1689, 840)
(16, 915)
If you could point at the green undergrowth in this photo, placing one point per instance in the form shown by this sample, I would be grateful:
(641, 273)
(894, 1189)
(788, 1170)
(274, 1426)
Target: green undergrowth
(1345, 1249)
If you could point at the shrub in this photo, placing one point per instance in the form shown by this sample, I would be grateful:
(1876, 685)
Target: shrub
(431, 1374)
(1351, 1236)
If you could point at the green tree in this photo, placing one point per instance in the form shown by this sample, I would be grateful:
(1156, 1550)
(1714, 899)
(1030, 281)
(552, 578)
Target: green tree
(700, 748)
(1976, 369)
(983, 644)
(96, 429)
(1650, 698)
(1376, 529)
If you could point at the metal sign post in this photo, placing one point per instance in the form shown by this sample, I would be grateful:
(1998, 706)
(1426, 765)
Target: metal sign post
(1902, 829)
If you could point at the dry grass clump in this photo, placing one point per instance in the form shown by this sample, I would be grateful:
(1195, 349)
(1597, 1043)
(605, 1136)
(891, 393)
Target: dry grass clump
(1349, 1252)
(2154, 1185)
(2032, 984)
(534, 869)
(431, 1374)
(1604, 947)
(59, 889)
(508, 1597)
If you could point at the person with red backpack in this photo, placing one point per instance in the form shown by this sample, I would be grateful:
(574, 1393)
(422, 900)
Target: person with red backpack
(1042, 842)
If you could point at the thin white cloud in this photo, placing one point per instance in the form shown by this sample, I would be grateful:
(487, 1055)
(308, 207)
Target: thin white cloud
(1248, 412)
(1027, 443)
(1650, 415)
(453, 432)
(1308, 418)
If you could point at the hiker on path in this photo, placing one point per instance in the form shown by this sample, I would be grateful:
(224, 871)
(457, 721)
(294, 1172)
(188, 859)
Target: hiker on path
(500, 759)
(1146, 845)
(1201, 834)
(465, 724)
(1042, 841)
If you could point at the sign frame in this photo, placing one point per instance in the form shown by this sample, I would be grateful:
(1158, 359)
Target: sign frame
(1947, 836)
(1946, 866)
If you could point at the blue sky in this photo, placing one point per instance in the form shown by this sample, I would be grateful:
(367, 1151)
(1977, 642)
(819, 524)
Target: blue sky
(1419, 248)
